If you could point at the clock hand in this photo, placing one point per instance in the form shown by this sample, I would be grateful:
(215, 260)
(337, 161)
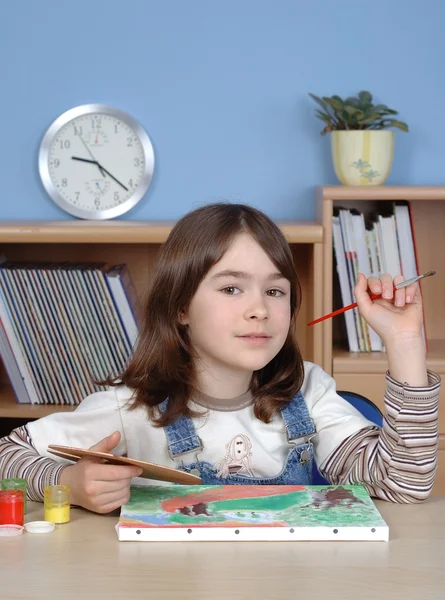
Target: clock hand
(91, 154)
(113, 177)
(94, 162)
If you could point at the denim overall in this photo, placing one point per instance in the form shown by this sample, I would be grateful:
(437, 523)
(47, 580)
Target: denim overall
(184, 444)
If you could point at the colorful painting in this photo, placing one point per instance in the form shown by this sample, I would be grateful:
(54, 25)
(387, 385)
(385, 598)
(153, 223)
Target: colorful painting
(250, 512)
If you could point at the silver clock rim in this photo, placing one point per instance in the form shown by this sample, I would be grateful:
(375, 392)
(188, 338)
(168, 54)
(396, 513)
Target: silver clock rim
(51, 189)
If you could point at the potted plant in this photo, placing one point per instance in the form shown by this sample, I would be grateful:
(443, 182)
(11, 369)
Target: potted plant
(362, 146)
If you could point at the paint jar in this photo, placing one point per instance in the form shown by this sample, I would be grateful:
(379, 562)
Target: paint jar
(12, 507)
(56, 499)
(15, 483)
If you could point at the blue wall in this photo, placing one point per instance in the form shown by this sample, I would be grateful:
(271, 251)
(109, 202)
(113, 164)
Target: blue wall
(222, 90)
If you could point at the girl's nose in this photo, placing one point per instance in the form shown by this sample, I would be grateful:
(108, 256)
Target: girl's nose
(257, 309)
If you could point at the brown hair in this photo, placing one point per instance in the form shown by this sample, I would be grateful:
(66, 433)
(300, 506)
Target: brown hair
(162, 362)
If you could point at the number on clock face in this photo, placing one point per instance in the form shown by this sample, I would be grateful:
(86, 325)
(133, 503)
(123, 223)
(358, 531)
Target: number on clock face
(96, 162)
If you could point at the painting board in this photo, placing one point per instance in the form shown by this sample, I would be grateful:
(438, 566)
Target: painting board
(250, 512)
(149, 470)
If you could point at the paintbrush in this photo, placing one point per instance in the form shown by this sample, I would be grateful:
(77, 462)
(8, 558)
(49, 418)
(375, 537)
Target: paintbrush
(400, 285)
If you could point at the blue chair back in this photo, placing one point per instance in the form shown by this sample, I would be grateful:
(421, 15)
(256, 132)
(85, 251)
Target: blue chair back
(368, 410)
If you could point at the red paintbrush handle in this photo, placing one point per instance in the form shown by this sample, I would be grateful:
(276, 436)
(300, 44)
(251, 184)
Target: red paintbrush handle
(341, 310)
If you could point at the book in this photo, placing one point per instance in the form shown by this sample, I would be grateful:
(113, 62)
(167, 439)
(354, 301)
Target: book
(12, 369)
(344, 284)
(364, 266)
(126, 300)
(19, 339)
(15, 363)
(250, 512)
(351, 263)
(409, 258)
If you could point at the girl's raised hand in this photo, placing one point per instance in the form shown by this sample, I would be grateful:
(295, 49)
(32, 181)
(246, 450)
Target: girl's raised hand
(396, 315)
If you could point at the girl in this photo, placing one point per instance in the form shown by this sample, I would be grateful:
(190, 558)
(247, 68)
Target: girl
(217, 385)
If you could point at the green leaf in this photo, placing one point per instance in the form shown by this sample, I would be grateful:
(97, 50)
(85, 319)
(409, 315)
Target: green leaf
(399, 124)
(384, 110)
(352, 110)
(365, 97)
(320, 102)
(352, 101)
(324, 118)
(382, 124)
(338, 99)
(369, 119)
(385, 123)
(379, 107)
(335, 104)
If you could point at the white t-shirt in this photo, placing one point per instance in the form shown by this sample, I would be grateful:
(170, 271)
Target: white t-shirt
(103, 412)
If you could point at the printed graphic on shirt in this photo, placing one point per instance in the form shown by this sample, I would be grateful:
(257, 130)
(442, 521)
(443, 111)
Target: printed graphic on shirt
(237, 458)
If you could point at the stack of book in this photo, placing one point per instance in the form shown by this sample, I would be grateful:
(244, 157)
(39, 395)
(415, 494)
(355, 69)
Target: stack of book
(372, 245)
(65, 326)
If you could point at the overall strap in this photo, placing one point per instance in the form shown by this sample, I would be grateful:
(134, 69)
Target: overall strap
(297, 419)
(181, 435)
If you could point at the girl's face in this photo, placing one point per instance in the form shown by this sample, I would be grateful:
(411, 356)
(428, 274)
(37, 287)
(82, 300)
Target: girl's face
(239, 317)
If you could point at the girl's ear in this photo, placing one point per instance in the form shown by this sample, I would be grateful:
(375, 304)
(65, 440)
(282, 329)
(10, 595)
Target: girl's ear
(183, 318)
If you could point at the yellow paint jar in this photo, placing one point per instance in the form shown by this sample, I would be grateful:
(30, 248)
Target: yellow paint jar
(56, 499)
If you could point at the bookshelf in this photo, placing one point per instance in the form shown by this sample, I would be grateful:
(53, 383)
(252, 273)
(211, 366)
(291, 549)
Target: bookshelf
(136, 243)
(363, 372)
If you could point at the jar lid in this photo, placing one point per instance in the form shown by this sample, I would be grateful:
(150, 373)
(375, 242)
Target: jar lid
(39, 527)
(10, 530)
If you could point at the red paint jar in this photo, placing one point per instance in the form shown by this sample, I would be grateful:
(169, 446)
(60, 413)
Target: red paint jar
(12, 504)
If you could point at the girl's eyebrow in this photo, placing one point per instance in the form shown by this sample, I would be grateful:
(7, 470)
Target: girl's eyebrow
(243, 275)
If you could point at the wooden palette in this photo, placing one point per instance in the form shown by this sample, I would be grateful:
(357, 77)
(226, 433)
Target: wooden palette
(150, 470)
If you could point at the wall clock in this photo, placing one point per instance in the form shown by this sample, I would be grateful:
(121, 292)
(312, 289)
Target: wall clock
(96, 161)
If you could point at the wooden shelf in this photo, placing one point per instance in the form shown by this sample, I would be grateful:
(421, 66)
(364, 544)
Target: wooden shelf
(381, 192)
(10, 408)
(125, 232)
(302, 232)
(376, 362)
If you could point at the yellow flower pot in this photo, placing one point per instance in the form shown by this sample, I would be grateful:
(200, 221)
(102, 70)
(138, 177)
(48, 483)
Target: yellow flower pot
(362, 157)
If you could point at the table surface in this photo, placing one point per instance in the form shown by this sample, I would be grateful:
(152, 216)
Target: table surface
(84, 559)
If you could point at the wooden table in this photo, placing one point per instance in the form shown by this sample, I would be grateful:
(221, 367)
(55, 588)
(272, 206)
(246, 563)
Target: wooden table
(84, 560)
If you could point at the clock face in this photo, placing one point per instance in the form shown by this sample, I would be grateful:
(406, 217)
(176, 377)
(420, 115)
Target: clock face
(96, 162)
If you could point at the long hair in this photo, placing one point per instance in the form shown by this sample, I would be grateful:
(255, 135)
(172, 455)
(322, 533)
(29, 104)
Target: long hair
(162, 363)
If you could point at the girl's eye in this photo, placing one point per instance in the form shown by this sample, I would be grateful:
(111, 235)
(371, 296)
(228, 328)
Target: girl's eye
(230, 290)
(275, 293)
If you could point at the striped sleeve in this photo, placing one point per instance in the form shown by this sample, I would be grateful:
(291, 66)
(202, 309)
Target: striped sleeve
(398, 461)
(19, 458)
